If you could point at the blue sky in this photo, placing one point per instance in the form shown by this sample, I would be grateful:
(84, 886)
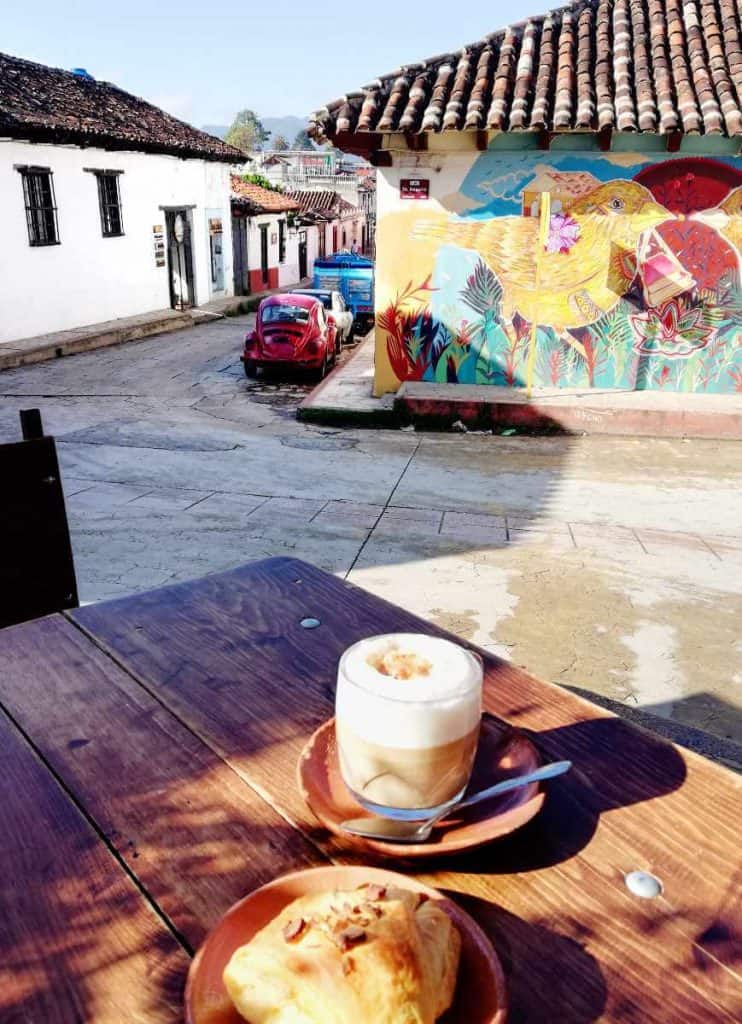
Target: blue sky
(203, 61)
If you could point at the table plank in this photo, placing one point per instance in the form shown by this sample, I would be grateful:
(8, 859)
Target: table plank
(196, 836)
(78, 941)
(228, 655)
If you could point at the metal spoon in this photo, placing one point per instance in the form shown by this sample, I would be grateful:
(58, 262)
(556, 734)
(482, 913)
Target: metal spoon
(393, 831)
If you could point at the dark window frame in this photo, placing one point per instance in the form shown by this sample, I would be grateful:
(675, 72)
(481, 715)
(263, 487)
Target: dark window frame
(42, 222)
(111, 212)
(282, 241)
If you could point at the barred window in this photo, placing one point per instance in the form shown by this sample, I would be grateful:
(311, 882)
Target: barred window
(41, 206)
(281, 241)
(109, 198)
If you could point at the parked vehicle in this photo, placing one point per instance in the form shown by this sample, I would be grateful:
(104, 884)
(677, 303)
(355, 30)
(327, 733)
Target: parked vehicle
(334, 303)
(291, 330)
(353, 277)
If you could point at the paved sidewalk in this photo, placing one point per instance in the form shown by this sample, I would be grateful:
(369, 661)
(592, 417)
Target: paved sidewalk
(345, 398)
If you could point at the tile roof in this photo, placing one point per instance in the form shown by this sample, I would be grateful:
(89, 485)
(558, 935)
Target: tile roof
(259, 199)
(658, 66)
(326, 202)
(51, 105)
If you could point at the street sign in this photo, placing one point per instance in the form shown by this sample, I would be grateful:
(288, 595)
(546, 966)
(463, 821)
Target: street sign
(414, 188)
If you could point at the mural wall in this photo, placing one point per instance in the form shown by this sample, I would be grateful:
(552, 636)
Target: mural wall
(638, 284)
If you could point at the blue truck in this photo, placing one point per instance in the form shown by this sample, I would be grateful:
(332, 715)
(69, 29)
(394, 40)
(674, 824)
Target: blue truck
(353, 277)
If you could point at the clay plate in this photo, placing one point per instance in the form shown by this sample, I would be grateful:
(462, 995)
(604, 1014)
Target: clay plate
(502, 753)
(480, 990)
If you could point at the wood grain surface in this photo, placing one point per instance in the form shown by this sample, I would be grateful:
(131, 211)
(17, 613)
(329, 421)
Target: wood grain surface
(228, 656)
(78, 940)
(195, 835)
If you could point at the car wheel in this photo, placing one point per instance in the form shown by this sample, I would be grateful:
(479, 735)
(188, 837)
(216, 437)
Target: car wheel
(251, 369)
(322, 372)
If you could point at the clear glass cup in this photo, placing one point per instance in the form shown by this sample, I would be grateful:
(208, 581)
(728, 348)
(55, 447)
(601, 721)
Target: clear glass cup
(406, 745)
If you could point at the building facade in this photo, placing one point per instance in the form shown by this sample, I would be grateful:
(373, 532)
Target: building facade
(559, 207)
(266, 248)
(126, 215)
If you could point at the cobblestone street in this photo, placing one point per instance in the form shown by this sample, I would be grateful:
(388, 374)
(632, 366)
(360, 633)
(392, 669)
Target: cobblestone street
(612, 565)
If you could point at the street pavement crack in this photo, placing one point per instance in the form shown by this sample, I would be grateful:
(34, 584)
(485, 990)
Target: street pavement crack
(386, 506)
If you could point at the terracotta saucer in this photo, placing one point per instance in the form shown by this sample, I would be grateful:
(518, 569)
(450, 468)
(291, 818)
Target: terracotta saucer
(502, 753)
(480, 991)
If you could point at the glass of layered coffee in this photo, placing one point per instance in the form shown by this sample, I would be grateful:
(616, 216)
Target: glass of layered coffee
(407, 718)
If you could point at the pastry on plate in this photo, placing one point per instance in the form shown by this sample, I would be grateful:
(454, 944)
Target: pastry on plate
(372, 955)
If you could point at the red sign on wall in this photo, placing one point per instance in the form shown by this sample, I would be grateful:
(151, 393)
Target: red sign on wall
(414, 188)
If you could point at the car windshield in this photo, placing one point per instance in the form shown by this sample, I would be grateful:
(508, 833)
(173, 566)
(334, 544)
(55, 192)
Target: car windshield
(284, 314)
(324, 297)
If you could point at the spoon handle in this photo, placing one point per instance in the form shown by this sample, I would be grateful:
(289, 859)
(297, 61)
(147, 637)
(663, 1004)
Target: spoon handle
(547, 771)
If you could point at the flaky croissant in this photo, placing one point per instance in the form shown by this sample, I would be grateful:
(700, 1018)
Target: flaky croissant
(367, 956)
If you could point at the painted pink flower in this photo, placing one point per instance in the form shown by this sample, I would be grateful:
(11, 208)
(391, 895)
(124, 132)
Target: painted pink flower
(674, 330)
(564, 231)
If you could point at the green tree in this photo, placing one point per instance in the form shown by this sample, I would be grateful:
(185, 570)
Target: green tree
(259, 179)
(247, 132)
(280, 144)
(302, 140)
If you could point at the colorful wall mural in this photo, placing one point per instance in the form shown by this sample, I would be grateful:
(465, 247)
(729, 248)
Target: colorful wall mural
(638, 284)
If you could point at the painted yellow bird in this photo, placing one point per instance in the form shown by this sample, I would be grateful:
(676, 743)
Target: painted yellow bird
(583, 280)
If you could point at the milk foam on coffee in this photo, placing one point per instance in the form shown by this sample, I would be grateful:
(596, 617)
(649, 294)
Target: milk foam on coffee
(449, 683)
(408, 709)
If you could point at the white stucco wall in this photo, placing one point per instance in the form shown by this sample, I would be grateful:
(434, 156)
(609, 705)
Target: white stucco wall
(88, 278)
(253, 240)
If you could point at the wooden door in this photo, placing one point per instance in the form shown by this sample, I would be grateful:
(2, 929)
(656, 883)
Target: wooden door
(180, 258)
(264, 252)
(302, 255)
(239, 254)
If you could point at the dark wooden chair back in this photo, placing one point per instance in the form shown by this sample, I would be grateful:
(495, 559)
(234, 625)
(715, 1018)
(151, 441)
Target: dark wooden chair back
(37, 573)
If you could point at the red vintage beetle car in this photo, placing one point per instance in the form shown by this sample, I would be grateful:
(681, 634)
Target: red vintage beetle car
(291, 330)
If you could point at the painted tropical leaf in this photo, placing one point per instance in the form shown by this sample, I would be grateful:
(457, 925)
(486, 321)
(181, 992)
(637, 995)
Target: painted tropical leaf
(483, 291)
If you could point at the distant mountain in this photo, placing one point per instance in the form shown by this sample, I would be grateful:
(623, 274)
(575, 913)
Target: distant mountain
(289, 127)
(220, 130)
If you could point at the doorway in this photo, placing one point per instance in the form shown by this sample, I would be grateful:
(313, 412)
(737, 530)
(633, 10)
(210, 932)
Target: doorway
(180, 258)
(302, 255)
(264, 253)
(239, 253)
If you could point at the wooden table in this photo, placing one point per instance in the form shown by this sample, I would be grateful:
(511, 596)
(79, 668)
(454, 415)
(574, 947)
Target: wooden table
(148, 750)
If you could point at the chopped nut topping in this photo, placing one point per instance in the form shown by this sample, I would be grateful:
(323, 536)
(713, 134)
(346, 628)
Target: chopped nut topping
(376, 892)
(376, 911)
(350, 937)
(294, 929)
(348, 964)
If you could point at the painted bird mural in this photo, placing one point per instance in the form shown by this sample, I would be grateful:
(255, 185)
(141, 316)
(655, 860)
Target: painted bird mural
(583, 275)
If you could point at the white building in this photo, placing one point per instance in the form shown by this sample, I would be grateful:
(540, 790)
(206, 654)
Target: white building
(109, 206)
(269, 250)
(310, 170)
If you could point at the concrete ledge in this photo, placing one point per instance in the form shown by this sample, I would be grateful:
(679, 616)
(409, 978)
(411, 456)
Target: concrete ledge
(571, 411)
(344, 397)
(131, 328)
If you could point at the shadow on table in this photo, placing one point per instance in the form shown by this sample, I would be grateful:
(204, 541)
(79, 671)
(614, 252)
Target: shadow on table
(550, 978)
(614, 765)
(691, 717)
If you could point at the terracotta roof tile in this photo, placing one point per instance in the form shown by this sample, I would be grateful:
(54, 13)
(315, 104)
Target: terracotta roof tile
(631, 65)
(324, 201)
(261, 200)
(51, 105)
